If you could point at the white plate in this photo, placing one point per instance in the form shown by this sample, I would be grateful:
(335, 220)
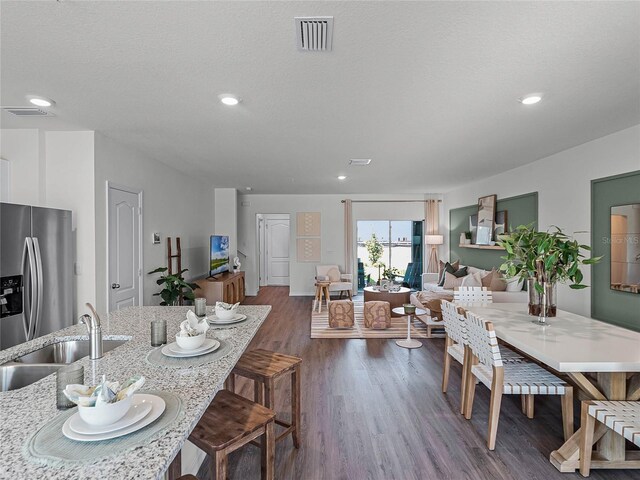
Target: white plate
(206, 345)
(157, 408)
(140, 407)
(170, 353)
(238, 317)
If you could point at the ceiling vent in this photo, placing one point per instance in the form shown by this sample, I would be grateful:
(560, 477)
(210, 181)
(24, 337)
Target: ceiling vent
(360, 162)
(28, 112)
(314, 34)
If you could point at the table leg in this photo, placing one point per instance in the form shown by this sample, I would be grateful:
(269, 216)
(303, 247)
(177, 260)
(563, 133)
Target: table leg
(611, 449)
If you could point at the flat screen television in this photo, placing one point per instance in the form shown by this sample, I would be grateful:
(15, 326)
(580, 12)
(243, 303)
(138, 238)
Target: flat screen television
(219, 254)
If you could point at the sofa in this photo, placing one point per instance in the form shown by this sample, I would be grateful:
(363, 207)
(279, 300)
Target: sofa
(431, 295)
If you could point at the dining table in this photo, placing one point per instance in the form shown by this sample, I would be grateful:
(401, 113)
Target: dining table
(600, 358)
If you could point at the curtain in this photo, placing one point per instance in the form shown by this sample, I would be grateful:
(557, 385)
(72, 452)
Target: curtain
(348, 239)
(431, 227)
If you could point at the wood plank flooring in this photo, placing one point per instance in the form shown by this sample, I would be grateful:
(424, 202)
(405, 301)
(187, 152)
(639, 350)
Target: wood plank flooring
(372, 410)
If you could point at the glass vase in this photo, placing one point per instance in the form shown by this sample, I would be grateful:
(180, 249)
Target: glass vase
(542, 304)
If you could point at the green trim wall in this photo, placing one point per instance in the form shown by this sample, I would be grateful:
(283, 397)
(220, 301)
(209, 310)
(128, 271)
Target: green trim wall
(521, 210)
(620, 308)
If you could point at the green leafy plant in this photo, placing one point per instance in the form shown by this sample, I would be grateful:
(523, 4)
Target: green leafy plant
(375, 250)
(175, 287)
(467, 235)
(390, 273)
(549, 257)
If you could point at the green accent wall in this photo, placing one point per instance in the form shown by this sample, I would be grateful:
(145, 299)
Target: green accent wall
(620, 308)
(521, 210)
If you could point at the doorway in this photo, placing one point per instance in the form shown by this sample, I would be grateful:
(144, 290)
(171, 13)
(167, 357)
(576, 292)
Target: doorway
(124, 246)
(273, 248)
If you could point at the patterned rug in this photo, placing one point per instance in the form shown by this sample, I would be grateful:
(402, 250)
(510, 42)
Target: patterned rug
(320, 326)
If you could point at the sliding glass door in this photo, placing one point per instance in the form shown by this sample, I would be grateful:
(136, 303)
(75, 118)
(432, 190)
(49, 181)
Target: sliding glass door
(390, 249)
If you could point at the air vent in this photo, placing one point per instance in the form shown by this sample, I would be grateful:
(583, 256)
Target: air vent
(314, 34)
(360, 162)
(28, 112)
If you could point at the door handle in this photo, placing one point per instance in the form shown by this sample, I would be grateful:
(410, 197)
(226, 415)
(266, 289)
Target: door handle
(115, 286)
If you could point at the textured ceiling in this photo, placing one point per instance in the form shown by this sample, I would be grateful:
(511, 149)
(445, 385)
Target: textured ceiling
(427, 90)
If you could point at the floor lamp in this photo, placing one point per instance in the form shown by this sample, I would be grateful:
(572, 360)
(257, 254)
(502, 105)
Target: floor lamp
(434, 241)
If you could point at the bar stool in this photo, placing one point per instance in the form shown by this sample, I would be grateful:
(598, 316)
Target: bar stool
(230, 422)
(264, 367)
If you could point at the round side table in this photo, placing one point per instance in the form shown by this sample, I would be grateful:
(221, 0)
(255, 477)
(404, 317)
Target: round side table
(408, 342)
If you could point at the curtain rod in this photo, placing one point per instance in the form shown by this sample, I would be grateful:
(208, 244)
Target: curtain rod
(392, 201)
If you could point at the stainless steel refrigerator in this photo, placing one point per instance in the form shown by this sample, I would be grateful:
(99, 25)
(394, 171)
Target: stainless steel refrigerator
(36, 268)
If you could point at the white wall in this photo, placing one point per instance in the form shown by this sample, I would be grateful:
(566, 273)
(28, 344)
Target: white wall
(175, 205)
(563, 183)
(70, 186)
(226, 217)
(55, 169)
(302, 274)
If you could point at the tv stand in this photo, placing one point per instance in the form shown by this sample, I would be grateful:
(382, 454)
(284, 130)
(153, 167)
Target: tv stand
(225, 287)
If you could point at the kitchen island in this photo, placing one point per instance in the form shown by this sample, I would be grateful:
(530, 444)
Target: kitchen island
(26, 410)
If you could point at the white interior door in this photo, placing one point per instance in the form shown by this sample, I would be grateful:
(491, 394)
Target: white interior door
(125, 230)
(277, 250)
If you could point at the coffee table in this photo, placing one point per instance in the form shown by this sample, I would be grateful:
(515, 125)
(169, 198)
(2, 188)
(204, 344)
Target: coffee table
(408, 342)
(395, 299)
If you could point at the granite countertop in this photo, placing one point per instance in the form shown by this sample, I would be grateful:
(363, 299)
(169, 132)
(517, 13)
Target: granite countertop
(24, 411)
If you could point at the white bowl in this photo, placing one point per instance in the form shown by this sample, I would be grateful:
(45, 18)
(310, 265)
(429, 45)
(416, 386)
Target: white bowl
(224, 314)
(105, 414)
(191, 343)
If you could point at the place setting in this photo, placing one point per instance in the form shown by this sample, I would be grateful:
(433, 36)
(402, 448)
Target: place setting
(102, 420)
(191, 347)
(225, 314)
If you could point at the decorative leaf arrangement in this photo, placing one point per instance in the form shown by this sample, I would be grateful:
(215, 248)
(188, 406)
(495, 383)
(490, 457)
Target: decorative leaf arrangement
(175, 287)
(549, 256)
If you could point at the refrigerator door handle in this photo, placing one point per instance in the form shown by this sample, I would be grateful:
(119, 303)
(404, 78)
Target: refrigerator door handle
(36, 324)
(27, 322)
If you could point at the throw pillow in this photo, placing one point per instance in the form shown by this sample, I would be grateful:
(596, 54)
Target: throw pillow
(461, 272)
(334, 274)
(451, 281)
(472, 280)
(488, 278)
(441, 269)
(498, 284)
(514, 284)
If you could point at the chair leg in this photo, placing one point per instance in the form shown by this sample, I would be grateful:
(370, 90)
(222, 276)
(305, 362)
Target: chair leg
(567, 413)
(587, 426)
(295, 406)
(497, 386)
(466, 372)
(269, 394)
(523, 403)
(230, 382)
(220, 460)
(268, 453)
(529, 403)
(257, 392)
(447, 364)
(470, 391)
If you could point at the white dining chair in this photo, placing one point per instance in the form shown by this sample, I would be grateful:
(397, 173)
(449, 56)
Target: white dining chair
(457, 347)
(521, 378)
(470, 296)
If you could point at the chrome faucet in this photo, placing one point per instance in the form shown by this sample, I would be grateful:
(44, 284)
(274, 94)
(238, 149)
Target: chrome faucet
(94, 328)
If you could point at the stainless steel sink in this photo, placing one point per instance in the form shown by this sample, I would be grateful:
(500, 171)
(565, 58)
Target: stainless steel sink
(65, 352)
(18, 375)
(36, 365)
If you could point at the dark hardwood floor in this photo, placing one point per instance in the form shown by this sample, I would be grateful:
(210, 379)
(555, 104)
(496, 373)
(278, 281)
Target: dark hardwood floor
(372, 410)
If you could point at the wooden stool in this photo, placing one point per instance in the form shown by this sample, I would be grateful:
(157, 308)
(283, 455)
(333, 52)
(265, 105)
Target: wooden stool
(264, 367)
(321, 288)
(230, 422)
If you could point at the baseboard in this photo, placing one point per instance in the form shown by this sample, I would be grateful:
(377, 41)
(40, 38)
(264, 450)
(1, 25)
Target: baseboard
(301, 294)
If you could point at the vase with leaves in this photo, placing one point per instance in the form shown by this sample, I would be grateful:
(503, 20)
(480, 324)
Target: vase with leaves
(175, 288)
(544, 259)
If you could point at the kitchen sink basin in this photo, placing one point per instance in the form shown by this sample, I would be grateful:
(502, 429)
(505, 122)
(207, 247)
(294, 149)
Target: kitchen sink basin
(36, 365)
(18, 375)
(65, 352)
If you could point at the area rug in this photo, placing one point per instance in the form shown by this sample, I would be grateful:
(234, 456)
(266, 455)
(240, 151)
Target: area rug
(320, 326)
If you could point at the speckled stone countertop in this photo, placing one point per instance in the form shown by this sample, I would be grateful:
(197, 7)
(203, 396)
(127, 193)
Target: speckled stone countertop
(24, 411)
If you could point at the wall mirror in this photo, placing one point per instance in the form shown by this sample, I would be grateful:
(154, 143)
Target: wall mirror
(625, 248)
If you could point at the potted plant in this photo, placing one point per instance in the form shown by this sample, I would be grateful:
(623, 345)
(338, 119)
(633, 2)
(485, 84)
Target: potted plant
(467, 238)
(175, 287)
(544, 259)
(375, 251)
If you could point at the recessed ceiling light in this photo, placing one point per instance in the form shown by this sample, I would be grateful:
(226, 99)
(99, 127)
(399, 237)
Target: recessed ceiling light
(531, 99)
(40, 101)
(342, 177)
(248, 189)
(229, 99)
(360, 162)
